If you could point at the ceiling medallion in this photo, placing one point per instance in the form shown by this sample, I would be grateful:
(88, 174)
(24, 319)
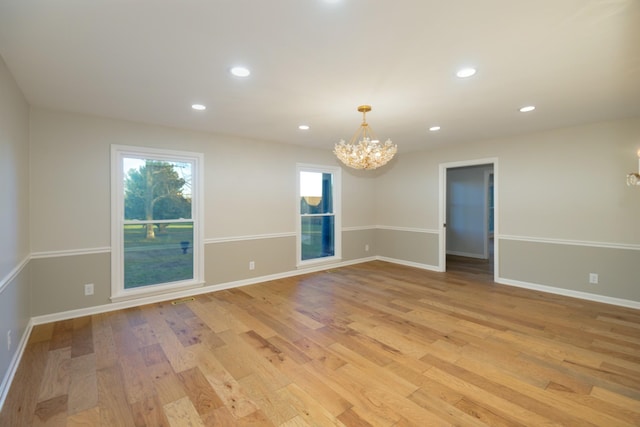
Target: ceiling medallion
(364, 151)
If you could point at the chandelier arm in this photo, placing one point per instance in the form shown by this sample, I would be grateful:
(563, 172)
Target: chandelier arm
(372, 135)
(354, 138)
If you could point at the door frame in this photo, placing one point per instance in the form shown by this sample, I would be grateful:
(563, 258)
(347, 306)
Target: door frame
(442, 203)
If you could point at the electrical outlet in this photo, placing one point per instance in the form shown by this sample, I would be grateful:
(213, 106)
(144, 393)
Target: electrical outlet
(88, 289)
(366, 248)
(252, 265)
(9, 340)
(593, 278)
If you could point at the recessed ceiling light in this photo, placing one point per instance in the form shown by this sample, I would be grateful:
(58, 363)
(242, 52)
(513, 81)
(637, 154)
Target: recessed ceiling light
(240, 71)
(199, 107)
(466, 72)
(303, 127)
(527, 108)
(434, 128)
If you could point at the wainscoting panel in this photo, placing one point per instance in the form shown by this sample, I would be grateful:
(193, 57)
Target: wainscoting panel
(411, 246)
(567, 265)
(14, 316)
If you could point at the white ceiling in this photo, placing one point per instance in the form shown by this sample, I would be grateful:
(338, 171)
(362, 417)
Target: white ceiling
(315, 61)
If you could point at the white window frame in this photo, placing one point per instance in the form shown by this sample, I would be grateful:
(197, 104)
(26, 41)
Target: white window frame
(337, 214)
(118, 152)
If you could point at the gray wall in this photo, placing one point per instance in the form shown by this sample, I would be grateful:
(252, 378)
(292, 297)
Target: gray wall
(15, 310)
(250, 206)
(562, 190)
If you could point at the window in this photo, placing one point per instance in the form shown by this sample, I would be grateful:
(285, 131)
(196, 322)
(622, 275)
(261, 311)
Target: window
(156, 241)
(318, 204)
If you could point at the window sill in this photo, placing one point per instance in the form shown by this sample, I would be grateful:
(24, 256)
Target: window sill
(318, 262)
(155, 291)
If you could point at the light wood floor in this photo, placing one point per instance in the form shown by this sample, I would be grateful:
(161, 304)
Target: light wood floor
(374, 344)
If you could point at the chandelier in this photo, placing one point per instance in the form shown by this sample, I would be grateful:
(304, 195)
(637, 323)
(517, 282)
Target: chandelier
(364, 151)
(634, 178)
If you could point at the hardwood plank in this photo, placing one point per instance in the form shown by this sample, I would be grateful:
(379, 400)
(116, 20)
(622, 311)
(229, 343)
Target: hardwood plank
(199, 391)
(81, 337)
(149, 412)
(225, 385)
(220, 417)
(276, 408)
(138, 385)
(166, 383)
(83, 387)
(51, 412)
(55, 380)
(40, 333)
(62, 335)
(114, 408)
(20, 403)
(145, 335)
(88, 418)
(153, 354)
(182, 413)
(351, 419)
(103, 341)
(181, 358)
(310, 410)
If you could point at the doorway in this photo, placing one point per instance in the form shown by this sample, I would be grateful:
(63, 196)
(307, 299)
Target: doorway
(468, 216)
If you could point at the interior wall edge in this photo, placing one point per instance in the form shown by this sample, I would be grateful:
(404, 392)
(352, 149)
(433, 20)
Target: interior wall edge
(14, 273)
(611, 245)
(569, 293)
(15, 362)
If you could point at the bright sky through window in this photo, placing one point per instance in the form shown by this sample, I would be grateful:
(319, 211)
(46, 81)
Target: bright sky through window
(310, 184)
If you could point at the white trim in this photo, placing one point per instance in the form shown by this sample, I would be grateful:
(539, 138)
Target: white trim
(151, 290)
(359, 228)
(569, 293)
(468, 254)
(107, 249)
(410, 263)
(336, 200)
(627, 246)
(442, 210)
(118, 153)
(14, 273)
(15, 362)
(485, 219)
(410, 229)
(71, 252)
(245, 238)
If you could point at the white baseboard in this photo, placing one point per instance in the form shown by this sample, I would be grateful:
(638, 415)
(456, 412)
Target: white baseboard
(89, 311)
(15, 361)
(569, 293)
(467, 254)
(410, 263)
